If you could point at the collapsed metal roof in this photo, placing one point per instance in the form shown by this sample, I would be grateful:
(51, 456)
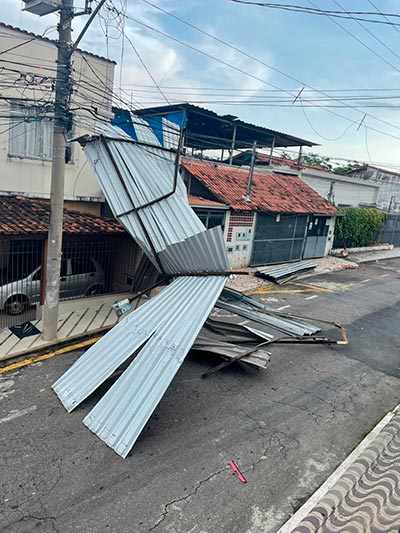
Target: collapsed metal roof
(147, 195)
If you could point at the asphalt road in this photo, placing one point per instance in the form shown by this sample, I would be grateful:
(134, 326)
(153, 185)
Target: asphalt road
(287, 428)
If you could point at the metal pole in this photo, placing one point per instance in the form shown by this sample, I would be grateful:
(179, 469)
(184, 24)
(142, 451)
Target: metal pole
(88, 23)
(233, 144)
(61, 119)
(299, 159)
(272, 150)
(251, 171)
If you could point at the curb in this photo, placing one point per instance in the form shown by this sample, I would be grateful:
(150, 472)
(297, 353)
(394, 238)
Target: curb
(306, 508)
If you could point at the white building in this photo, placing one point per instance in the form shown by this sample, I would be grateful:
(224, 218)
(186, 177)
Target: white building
(388, 182)
(27, 83)
(342, 191)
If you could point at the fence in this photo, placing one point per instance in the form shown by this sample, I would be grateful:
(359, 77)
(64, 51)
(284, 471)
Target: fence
(390, 231)
(88, 267)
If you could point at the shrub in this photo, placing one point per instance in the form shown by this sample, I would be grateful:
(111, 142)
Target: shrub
(358, 226)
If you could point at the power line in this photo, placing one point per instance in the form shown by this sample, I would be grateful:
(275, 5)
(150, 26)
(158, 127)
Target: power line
(370, 33)
(359, 41)
(322, 12)
(238, 69)
(384, 16)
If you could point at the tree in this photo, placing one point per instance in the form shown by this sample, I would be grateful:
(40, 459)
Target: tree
(348, 169)
(317, 160)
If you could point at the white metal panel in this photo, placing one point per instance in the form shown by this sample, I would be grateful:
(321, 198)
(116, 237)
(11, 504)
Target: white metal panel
(119, 417)
(104, 357)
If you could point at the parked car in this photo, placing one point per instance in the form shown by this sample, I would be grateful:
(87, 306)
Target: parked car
(79, 277)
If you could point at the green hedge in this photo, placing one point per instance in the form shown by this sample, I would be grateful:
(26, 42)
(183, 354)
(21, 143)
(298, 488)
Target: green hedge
(358, 226)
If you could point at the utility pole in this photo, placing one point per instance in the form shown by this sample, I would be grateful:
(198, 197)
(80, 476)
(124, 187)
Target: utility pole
(61, 127)
(251, 171)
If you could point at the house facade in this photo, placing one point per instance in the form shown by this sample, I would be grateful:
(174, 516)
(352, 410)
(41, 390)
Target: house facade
(27, 81)
(281, 220)
(98, 257)
(388, 182)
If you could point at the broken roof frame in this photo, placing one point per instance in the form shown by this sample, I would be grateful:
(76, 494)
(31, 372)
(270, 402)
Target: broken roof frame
(160, 333)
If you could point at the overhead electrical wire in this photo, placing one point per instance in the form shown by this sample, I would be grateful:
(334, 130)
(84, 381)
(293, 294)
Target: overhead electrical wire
(360, 41)
(206, 54)
(385, 16)
(370, 32)
(323, 12)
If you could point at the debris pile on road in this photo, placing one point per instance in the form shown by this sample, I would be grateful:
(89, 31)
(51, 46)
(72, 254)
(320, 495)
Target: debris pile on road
(282, 273)
(142, 185)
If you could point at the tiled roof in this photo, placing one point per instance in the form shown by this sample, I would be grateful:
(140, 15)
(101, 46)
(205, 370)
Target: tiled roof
(198, 201)
(28, 216)
(276, 161)
(273, 193)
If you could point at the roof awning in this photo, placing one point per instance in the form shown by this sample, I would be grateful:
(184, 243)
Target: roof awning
(206, 130)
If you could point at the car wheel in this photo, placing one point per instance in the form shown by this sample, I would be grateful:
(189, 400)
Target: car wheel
(16, 305)
(95, 290)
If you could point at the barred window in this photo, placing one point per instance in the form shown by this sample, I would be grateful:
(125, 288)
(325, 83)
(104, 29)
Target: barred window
(31, 133)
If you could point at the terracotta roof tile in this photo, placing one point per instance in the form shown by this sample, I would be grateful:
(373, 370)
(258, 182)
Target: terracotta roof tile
(274, 193)
(30, 216)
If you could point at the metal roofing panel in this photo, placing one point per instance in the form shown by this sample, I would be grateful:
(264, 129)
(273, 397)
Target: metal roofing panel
(147, 174)
(104, 357)
(203, 124)
(204, 252)
(119, 417)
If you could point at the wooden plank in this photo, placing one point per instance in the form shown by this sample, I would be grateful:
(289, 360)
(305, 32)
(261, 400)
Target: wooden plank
(68, 326)
(110, 320)
(101, 316)
(39, 341)
(9, 344)
(84, 324)
(4, 335)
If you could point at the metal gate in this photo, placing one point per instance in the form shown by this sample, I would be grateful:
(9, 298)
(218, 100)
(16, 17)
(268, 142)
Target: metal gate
(390, 231)
(317, 235)
(278, 238)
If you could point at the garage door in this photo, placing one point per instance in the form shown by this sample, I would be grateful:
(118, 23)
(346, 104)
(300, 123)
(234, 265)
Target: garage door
(278, 239)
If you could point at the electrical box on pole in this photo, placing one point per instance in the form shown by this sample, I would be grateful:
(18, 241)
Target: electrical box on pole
(42, 7)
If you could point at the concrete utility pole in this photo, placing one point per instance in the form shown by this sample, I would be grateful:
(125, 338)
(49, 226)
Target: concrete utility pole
(62, 124)
(251, 171)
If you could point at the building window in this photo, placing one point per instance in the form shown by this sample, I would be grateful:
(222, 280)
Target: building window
(211, 217)
(31, 133)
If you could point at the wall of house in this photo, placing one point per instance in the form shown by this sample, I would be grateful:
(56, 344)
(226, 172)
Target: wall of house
(32, 84)
(344, 191)
(389, 191)
(331, 231)
(239, 232)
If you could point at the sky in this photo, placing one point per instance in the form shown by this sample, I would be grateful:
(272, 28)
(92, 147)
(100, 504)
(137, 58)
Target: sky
(277, 54)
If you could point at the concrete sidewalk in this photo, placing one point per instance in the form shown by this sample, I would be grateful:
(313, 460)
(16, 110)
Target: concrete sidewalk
(363, 494)
(377, 255)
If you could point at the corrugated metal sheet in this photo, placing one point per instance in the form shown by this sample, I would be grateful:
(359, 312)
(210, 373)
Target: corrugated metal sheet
(147, 174)
(204, 252)
(270, 192)
(288, 326)
(282, 273)
(119, 417)
(104, 357)
(231, 340)
(243, 305)
(163, 330)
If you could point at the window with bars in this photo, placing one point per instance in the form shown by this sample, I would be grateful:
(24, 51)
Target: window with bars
(31, 133)
(211, 217)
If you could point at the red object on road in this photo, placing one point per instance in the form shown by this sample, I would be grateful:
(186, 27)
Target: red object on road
(237, 471)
